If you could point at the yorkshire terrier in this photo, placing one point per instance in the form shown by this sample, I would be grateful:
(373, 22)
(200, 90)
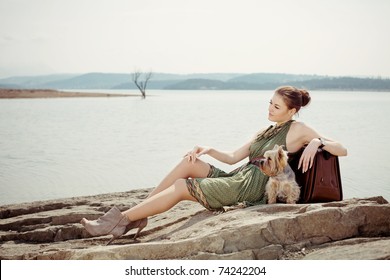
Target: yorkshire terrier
(281, 185)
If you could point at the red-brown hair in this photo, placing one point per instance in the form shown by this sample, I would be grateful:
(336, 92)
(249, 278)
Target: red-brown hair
(294, 97)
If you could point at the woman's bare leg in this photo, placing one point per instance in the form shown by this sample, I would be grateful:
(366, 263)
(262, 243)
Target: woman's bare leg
(183, 170)
(161, 201)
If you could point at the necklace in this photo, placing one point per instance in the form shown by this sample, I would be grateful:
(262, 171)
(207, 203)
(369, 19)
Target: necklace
(272, 130)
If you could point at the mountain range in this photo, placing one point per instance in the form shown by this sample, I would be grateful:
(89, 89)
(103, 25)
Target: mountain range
(210, 81)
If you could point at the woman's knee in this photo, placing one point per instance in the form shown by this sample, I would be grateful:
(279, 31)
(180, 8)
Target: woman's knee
(198, 169)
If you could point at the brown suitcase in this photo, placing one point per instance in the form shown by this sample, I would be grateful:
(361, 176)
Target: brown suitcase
(322, 182)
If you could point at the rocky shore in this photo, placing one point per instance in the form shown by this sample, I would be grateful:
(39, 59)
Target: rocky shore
(48, 93)
(350, 229)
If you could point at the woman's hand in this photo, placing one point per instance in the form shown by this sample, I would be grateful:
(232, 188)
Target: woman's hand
(307, 158)
(196, 152)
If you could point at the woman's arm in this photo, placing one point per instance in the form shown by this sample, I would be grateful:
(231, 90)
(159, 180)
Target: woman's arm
(310, 137)
(231, 157)
(225, 157)
(333, 147)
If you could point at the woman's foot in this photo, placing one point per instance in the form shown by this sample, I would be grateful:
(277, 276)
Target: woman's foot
(140, 224)
(115, 223)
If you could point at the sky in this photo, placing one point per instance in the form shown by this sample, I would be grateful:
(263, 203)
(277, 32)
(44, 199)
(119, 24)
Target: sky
(324, 37)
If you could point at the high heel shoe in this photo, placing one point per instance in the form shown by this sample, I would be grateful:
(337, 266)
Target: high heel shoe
(140, 224)
(113, 222)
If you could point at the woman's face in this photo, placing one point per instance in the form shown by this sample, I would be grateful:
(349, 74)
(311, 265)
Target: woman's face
(278, 111)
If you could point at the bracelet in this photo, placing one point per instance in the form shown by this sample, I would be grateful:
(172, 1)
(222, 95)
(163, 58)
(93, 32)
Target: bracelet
(323, 143)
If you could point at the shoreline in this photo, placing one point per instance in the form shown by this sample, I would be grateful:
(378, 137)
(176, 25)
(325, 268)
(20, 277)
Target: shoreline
(51, 93)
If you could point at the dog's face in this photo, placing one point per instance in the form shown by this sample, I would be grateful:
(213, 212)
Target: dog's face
(274, 161)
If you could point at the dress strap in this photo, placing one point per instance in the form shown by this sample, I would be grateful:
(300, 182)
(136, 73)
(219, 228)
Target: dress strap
(272, 130)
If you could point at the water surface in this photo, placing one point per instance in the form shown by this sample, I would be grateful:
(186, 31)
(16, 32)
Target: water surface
(63, 147)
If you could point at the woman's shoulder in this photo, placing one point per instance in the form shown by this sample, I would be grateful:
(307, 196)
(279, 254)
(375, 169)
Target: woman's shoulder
(299, 126)
(301, 129)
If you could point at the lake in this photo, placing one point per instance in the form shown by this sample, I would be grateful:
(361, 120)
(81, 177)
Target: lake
(65, 147)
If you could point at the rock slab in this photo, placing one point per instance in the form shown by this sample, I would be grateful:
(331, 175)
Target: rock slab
(349, 229)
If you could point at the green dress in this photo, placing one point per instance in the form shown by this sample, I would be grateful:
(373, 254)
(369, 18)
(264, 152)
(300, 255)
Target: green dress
(245, 184)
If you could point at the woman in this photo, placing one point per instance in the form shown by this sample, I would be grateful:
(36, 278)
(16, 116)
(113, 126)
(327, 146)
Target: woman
(195, 180)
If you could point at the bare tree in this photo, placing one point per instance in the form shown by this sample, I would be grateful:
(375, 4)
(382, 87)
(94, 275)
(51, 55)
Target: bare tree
(141, 85)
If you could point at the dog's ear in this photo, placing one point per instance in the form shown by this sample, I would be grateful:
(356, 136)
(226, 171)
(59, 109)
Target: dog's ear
(276, 147)
(280, 152)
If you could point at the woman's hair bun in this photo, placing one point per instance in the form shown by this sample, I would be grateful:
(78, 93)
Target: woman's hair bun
(305, 97)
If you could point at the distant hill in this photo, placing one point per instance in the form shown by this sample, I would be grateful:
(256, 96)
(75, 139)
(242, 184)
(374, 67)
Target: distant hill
(210, 81)
(198, 84)
(319, 83)
(346, 83)
(32, 81)
(162, 84)
(89, 81)
(104, 80)
(263, 78)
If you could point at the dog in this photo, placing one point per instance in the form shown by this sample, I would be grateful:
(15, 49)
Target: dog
(281, 185)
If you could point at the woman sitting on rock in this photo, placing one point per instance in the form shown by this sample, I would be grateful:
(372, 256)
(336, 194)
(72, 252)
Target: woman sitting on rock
(195, 180)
